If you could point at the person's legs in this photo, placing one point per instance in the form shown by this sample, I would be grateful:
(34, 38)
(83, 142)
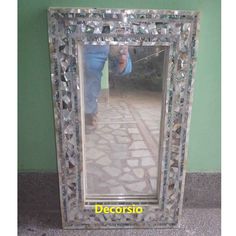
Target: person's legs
(94, 60)
(92, 91)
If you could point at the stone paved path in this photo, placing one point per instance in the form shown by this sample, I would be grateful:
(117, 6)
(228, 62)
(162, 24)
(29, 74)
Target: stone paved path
(122, 152)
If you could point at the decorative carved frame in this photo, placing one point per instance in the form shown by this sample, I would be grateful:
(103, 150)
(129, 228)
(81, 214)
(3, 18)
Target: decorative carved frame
(67, 28)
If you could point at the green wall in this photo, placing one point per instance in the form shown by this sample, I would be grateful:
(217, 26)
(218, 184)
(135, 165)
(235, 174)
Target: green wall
(36, 133)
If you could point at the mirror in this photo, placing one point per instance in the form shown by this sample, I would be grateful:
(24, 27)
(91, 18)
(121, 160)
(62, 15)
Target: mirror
(123, 89)
(122, 82)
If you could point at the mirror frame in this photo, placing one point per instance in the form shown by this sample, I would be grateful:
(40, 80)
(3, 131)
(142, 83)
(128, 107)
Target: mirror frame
(67, 29)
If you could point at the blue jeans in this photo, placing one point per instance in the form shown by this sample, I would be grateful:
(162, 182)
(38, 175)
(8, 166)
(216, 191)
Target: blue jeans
(95, 57)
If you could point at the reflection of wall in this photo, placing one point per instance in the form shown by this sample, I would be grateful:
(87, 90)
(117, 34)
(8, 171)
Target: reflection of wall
(105, 77)
(36, 132)
(147, 67)
(104, 94)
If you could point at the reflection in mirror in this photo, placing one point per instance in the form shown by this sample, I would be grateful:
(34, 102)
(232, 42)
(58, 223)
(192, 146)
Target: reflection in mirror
(122, 106)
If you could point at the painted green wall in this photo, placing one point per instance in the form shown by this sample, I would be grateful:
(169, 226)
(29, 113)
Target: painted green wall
(36, 133)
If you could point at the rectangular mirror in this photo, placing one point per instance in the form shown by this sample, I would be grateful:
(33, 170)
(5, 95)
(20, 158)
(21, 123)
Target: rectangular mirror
(122, 119)
(122, 85)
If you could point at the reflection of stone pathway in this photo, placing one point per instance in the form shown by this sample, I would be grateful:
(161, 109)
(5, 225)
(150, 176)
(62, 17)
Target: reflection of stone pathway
(121, 154)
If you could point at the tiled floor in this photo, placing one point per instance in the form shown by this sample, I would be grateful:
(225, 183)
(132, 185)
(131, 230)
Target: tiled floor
(122, 152)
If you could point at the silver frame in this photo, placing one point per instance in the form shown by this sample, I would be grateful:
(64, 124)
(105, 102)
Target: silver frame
(176, 29)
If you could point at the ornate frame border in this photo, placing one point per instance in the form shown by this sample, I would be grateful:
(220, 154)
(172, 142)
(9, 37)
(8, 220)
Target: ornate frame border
(176, 29)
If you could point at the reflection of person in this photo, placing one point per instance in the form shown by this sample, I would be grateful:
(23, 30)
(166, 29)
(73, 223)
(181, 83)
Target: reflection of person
(95, 57)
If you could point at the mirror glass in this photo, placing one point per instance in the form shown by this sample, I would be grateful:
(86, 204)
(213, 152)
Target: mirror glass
(123, 91)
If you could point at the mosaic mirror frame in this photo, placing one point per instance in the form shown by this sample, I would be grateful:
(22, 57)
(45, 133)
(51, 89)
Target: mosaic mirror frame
(178, 30)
